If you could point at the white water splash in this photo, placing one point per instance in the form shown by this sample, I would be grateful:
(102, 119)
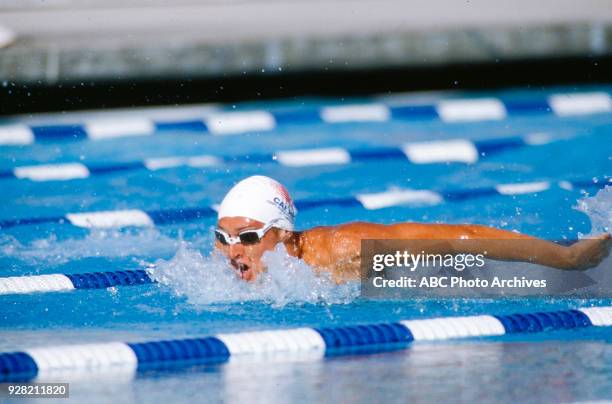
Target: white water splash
(599, 209)
(209, 280)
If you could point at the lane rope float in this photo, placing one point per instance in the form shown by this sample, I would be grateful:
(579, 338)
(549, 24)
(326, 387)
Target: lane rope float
(125, 360)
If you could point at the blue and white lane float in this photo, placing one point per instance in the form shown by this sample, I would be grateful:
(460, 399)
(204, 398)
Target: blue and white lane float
(256, 121)
(127, 359)
(370, 201)
(430, 152)
(66, 282)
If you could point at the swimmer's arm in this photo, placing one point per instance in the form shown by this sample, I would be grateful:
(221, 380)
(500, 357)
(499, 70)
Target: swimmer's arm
(506, 245)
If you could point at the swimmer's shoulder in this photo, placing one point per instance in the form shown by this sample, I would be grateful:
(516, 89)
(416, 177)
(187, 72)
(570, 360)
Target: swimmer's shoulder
(314, 246)
(316, 235)
(331, 248)
(324, 241)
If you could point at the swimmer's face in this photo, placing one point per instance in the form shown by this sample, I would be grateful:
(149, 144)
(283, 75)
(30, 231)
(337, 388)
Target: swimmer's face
(246, 259)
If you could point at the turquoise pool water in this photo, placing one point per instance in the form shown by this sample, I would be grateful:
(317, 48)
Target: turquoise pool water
(199, 296)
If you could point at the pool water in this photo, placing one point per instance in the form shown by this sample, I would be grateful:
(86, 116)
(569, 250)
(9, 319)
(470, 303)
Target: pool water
(199, 296)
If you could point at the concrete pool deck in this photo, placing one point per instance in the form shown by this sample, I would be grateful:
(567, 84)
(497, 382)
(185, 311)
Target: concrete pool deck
(72, 41)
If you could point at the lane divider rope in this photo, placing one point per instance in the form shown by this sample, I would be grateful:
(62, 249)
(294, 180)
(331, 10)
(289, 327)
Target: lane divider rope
(256, 121)
(66, 282)
(127, 359)
(439, 151)
(370, 201)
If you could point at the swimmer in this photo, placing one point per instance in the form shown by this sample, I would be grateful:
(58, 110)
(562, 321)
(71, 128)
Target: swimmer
(258, 213)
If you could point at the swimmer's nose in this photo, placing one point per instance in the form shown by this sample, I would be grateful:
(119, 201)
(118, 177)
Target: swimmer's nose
(236, 250)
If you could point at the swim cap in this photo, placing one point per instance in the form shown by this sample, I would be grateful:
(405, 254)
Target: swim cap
(260, 198)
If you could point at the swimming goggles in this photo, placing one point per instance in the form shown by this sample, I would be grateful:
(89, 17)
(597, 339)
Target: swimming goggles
(246, 237)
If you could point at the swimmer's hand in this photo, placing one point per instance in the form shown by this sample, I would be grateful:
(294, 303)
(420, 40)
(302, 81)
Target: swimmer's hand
(589, 252)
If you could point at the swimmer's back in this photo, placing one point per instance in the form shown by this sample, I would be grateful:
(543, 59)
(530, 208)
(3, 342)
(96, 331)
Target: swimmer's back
(365, 230)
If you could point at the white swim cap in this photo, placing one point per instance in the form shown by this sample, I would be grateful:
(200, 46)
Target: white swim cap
(260, 198)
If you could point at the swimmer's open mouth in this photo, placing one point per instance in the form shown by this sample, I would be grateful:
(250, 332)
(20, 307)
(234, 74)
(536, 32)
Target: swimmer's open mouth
(241, 269)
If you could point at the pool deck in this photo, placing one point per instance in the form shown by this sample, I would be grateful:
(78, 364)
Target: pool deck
(68, 40)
